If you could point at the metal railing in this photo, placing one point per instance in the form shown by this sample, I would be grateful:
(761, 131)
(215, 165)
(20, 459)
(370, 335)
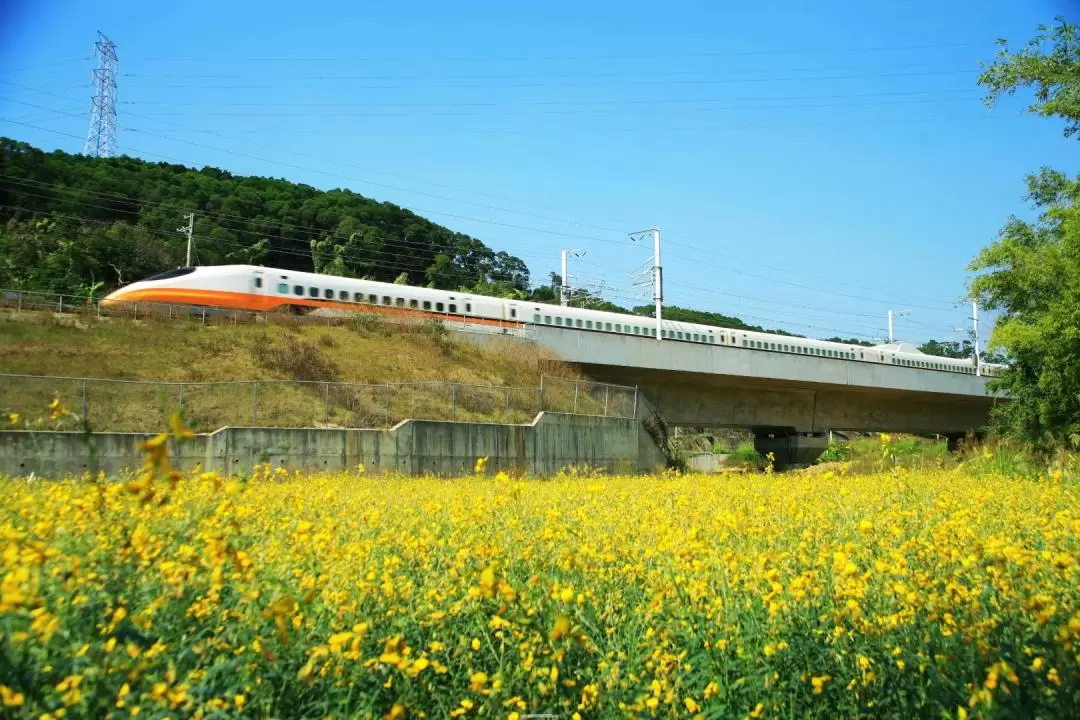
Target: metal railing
(141, 405)
(79, 305)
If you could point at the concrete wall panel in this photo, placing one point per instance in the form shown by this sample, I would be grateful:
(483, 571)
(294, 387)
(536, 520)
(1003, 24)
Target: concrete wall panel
(414, 447)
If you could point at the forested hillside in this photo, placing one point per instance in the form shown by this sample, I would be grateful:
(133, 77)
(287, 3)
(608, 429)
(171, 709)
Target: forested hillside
(71, 223)
(82, 225)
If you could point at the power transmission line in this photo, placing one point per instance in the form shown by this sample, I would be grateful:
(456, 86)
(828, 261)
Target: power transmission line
(510, 225)
(626, 56)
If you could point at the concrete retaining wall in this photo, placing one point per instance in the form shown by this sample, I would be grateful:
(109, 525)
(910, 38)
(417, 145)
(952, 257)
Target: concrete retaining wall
(413, 447)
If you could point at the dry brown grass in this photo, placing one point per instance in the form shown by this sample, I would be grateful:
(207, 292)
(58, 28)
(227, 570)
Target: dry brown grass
(353, 352)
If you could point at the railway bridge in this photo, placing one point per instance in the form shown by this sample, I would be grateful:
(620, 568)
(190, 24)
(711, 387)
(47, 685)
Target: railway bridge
(789, 401)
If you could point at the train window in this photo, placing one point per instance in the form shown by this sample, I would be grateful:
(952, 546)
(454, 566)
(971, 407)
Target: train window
(343, 295)
(452, 307)
(744, 342)
(618, 327)
(439, 307)
(427, 304)
(468, 307)
(372, 299)
(607, 326)
(313, 292)
(414, 304)
(358, 297)
(385, 299)
(513, 312)
(298, 290)
(328, 294)
(558, 321)
(536, 318)
(258, 282)
(588, 324)
(283, 288)
(861, 356)
(400, 302)
(547, 319)
(577, 323)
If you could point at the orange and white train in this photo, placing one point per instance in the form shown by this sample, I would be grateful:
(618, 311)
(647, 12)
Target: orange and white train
(262, 289)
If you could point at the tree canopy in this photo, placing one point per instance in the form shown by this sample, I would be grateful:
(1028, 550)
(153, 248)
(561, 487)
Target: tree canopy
(69, 223)
(1049, 65)
(1031, 273)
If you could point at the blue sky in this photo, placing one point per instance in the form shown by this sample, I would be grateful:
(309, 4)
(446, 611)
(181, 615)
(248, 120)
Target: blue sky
(811, 165)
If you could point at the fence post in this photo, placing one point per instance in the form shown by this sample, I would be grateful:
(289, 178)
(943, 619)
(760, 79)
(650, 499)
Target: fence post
(506, 402)
(541, 393)
(85, 409)
(453, 401)
(181, 397)
(136, 316)
(60, 306)
(170, 313)
(607, 391)
(577, 387)
(254, 401)
(389, 405)
(20, 301)
(635, 401)
(204, 316)
(326, 405)
(98, 304)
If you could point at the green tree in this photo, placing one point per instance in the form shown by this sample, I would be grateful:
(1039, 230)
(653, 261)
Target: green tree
(1049, 65)
(68, 222)
(849, 341)
(1031, 274)
(948, 348)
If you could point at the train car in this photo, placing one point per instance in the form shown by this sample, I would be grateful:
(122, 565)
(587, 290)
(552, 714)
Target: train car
(261, 289)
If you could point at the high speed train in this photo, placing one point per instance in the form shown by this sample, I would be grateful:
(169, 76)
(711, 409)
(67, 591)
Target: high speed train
(262, 289)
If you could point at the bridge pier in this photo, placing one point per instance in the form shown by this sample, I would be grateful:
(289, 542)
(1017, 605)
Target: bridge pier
(789, 447)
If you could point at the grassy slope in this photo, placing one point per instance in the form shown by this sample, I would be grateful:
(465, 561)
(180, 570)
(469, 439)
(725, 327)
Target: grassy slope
(366, 352)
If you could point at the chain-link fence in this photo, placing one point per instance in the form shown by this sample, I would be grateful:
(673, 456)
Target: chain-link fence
(365, 315)
(583, 397)
(136, 405)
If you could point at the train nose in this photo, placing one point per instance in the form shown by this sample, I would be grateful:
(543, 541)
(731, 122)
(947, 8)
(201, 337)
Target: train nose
(113, 299)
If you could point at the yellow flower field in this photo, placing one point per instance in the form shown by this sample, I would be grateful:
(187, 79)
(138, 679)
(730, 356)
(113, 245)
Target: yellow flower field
(895, 595)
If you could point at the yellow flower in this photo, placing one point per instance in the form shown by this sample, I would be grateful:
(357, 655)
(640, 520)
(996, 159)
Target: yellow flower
(477, 681)
(561, 627)
(181, 431)
(13, 418)
(818, 682)
(487, 582)
(11, 698)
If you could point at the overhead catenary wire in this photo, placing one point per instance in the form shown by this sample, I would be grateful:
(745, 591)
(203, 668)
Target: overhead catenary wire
(531, 229)
(313, 233)
(682, 52)
(788, 322)
(487, 206)
(378, 256)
